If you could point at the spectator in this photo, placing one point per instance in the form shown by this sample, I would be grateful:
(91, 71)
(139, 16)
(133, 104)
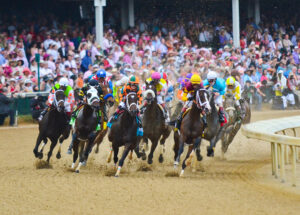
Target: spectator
(5, 109)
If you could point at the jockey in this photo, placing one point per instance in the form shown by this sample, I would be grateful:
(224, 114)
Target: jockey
(63, 84)
(102, 79)
(218, 87)
(132, 86)
(188, 97)
(170, 89)
(161, 90)
(234, 88)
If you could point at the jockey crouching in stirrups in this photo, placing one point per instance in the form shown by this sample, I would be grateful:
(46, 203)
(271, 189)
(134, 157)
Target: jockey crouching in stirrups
(132, 86)
(188, 97)
(161, 90)
(218, 87)
(234, 88)
(63, 84)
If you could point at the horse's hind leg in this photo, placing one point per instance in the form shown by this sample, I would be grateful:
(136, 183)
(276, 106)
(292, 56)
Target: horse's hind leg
(144, 148)
(53, 144)
(153, 147)
(179, 152)
(45, 140)
(121, 162)
(162, 145)
(36, 148)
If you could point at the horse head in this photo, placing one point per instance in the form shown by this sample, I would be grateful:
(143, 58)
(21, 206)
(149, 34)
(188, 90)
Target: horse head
(132, 103)
(202, 100)
(108, 94)
(59, 100)
(150, 93)
(229, 100)
(92, 97)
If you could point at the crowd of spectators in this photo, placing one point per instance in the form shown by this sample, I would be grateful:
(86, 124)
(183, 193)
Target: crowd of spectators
(268, 54)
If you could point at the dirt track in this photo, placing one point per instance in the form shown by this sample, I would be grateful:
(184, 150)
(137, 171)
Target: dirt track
(242, 184)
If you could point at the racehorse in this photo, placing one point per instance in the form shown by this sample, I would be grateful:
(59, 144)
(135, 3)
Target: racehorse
(54, 126)
(124, 131)
(154, 124)
(84, 129)
(107, 99)
(192, 127)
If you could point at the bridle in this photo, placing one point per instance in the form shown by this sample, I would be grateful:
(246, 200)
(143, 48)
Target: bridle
(58, 102)
(199, 103)
(128, 106)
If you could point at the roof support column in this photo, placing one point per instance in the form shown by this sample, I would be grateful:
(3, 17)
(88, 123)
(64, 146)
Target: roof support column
(99, 4)
(257, 12)
(131, 12)
(236, 23)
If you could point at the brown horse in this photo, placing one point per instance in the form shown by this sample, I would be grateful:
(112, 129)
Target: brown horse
(106, 99)
(154, 125)
(192, 127)
(123, 132)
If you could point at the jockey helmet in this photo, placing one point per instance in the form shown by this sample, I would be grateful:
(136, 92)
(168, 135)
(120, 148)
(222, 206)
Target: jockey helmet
(164, 76)
(230, 81)
(63, 82)
(211, 75)
(156, 76)
(93, 82)
(101, 73)
(195, 79)
(134, 80)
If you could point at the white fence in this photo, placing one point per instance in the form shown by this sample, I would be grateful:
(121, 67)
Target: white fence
(284, 149)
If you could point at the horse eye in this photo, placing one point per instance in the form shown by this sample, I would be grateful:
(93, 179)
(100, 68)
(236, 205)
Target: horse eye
(89, 95)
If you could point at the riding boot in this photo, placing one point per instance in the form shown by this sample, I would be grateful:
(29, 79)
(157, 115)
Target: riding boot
(42, 114)
(221, 115)
(178, 121)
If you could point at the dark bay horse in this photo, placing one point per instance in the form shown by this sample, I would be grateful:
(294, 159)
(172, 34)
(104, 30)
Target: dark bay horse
(192, 127)
(124, 131)
(54, 126)
(85, 127)
(154, 125)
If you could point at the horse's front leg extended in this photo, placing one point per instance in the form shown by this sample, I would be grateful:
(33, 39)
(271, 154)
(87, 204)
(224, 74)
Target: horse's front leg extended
(121, 162)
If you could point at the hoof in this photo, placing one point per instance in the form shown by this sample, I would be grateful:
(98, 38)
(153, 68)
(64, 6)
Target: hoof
(69, 152)
(144, 155)
(58, 156)
(76, 171)
(40, 155)
(96, 151)
(117, 176)
(150, 161)
(161, 158)
(199, 156)
(84, 163)
(210, 152)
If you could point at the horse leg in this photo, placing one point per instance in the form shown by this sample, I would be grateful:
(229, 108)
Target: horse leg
(137, 151)
(88, 149)
(180, 150)
(188, 156)
(99, 139)
(36, 148)
(143, 147)
(121, 162)
(195, 148)
(162, 145)
(116, 151)
(53, 144)
(75, 152)
(153, 147)
(58, 154)
(45, 140)
(110, 153)
(81, 158)
(176, 145)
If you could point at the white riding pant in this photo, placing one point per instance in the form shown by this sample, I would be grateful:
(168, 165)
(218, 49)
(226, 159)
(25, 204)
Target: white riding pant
(290, 98)
(219, 100)
(160, 99)
(122, 104)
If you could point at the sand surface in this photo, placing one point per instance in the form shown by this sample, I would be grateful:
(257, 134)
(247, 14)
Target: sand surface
(241, 184)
